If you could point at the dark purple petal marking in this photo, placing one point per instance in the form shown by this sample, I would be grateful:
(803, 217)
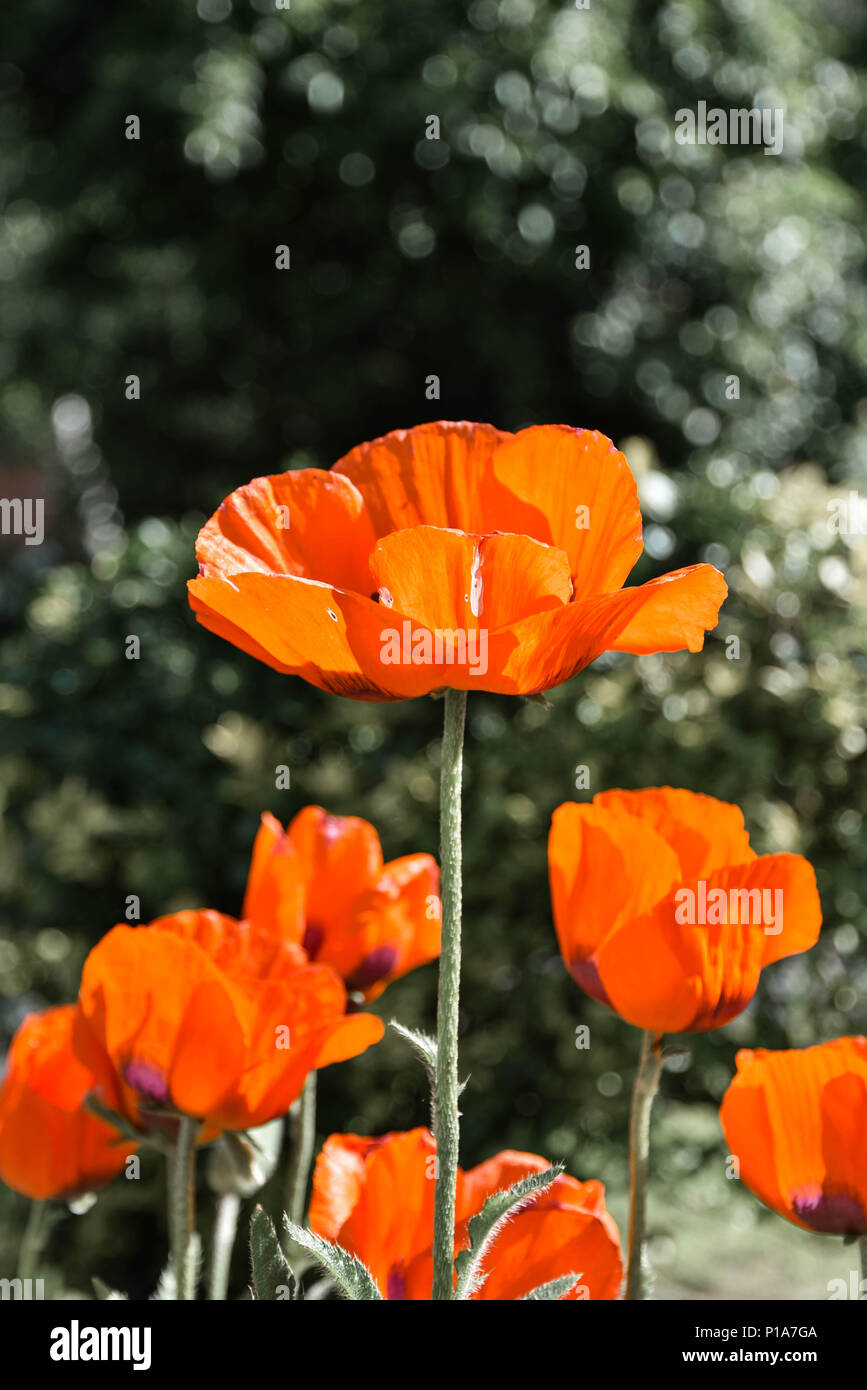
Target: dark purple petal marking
(586, 974)
(832, 1213)
(313, 938)
(375, 966)
(148, 1082)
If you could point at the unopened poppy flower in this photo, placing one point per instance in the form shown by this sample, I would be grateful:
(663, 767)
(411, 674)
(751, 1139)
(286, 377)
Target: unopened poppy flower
(215, 1019)
(665, 913)
(797, 1123)
(448, 555)
(51, 1144)
(322, 882)
(375, 1198)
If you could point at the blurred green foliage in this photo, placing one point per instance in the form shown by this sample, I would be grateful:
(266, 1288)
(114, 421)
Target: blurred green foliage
(411, 257)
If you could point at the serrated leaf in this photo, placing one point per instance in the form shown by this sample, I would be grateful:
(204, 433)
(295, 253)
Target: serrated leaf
(104, 1291)
(486, 1225)
(349, 1274)
(554, 1289)
(166, 1289)
(272, 1272)
(422, 1043)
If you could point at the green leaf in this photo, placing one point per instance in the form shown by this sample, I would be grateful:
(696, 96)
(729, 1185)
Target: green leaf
(486, 1225)
(349, 1274)
(422, 1043)
(166, 1289)
(271, 1270)
(557, 1288)
(425, 1047)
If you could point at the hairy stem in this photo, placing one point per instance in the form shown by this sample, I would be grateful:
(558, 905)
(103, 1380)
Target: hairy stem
(182, 1206)
(225, 1229)
(446, 1113)
(302, 1141)
(32, 1240)
(862, 1249)
(650, 1064)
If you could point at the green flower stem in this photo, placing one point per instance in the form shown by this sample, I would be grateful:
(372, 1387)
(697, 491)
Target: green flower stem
(862, 1249)
(32, 1240)
(650, 1064)
(446, 1114)
(182, 1206)
(225, 1229)
(302, 1141)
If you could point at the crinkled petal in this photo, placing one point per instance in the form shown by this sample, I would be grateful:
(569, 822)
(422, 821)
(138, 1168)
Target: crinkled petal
(571, 489)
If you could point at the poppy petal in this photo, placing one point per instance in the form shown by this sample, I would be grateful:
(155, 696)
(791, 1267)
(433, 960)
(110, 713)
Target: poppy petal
(706, 834)
(337, 1181)
(294, 1026)
(333, 639)
(341, 858)
(141, 992)
(571, 489)
(51, 1145)
(675, 612)
(392, 1220)
(693, 963)
(604, 865)
(276, 890)
(544, 1243)
(309, 523)
(481, 581)
(426, 476)
(797, 1122)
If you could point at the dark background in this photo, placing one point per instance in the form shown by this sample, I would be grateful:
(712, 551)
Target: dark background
(412, 257)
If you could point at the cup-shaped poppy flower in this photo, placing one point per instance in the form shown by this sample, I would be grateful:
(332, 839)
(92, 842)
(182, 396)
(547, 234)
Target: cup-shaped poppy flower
(215, 1019)
(375, 1197)
(448, 555)
(51, 1144)
(322, 882)
(664, 912)
(797, 1123)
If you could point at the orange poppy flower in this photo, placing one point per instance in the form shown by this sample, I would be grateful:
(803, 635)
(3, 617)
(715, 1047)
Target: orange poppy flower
(215, 1018)
(449, 555)
(322, 882)
(51, 1145)
(797, 1123)
(374, 1197)
(665, 913)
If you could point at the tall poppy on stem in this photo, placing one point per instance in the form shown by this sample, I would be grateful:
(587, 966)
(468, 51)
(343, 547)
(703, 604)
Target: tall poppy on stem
(323, 884)
(796, 1121)
(51, 1145)
(211, 1025)
(452, 556)
(665, 913)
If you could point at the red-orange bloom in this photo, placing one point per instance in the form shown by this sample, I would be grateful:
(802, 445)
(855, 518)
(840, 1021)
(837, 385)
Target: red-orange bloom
(322, 882)
(665, 913)
(51, 1145)
(449, 555)
(797, 1123)
(215, 1018)
(374, 1197)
